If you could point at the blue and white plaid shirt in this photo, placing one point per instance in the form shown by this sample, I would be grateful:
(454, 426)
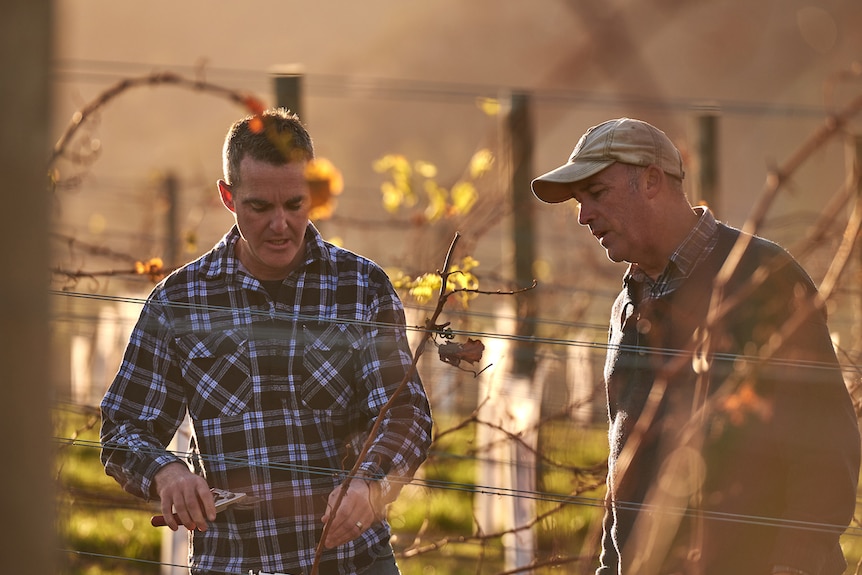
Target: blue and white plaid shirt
(277, 389)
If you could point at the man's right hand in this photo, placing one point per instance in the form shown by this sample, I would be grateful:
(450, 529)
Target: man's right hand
(186, 494)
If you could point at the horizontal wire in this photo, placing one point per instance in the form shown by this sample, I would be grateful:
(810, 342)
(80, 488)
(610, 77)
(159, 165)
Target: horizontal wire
(469, 314)
(325, 471)
(354, 87)
(129, 559)
(497, 491)
(456, 486)
(642, 350)
(217, 571)
(95, 555)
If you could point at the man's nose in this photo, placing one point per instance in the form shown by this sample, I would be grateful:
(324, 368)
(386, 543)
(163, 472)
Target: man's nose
(279, 220)
(585, 215)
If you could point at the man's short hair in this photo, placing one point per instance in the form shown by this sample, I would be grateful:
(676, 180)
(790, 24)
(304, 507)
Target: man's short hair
(276, 136)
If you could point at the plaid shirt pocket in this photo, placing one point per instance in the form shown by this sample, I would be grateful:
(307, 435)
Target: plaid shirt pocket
(329, 361)
(216, 368)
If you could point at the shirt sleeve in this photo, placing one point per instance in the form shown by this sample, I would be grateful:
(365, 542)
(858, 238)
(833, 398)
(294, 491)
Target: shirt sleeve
(816, 428)
(404, 433)
(814, 411)
(144, 405)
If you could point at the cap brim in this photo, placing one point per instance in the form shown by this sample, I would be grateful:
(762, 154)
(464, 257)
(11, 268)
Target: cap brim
(552, 187)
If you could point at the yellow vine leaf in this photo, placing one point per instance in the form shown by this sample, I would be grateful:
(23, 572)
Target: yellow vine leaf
(490, 106)
(427, 286)
(463, 196)
(399, 191)
(481, 162)
(390, 163)
(425, 169)
(436, 201)
(392, 197)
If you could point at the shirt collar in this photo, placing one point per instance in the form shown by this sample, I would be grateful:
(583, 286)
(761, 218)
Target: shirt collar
(227, 263)
(697, 242)
(693, 248)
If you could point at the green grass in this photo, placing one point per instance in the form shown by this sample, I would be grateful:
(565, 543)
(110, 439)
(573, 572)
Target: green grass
(852, 546)
(98, 521)
(446, 515)
(435, 518)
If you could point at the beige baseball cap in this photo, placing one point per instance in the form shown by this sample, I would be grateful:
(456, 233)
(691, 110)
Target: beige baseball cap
(622, 140)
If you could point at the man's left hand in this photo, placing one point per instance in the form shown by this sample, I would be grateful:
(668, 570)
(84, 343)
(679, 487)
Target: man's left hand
(355, 514)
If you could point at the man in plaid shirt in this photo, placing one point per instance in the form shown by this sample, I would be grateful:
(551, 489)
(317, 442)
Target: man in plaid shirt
(282, 348)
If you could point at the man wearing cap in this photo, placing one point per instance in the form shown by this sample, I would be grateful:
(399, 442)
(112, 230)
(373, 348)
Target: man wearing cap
(734, 446)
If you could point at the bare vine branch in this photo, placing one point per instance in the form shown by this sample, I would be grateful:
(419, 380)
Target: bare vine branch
(149, 80)
(431, 328)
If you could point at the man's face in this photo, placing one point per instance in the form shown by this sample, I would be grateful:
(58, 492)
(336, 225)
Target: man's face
(614, 212)
(271, 206)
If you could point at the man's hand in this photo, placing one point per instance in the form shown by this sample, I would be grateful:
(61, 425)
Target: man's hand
(186, 494)
(356, 513)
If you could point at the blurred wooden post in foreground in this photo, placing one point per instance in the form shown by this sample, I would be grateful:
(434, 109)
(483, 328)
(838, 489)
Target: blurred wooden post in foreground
(854, 155)
(28, 532)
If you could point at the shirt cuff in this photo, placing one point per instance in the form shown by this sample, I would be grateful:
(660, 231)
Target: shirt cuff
(378, 479)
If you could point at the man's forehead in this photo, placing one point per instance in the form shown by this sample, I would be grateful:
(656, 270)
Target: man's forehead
(261, 181)
(253, 173)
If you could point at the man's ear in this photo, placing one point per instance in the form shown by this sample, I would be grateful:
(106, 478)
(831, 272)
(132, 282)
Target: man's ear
(653, 177)
(226, 195)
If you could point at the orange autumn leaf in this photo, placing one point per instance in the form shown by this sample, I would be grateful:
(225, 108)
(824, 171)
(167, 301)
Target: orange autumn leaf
(154, 268)
(254, 105)
(745, 402)
(256, 125)
(324, 183)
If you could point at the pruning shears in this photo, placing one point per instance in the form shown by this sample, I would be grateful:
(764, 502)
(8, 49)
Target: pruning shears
(223, 500)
